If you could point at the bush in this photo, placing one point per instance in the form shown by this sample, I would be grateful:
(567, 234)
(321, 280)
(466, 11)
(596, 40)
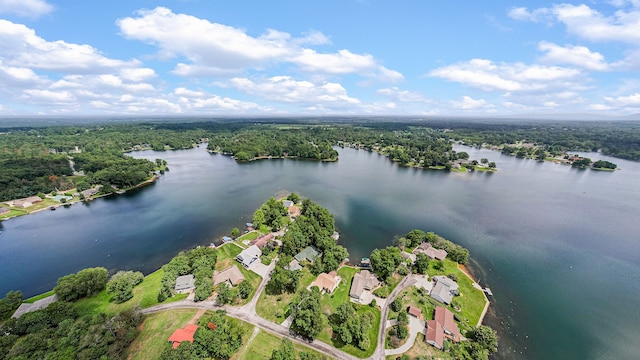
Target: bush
(396, 305)
(122, 284)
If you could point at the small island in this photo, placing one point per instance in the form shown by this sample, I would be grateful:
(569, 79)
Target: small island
(283, 289)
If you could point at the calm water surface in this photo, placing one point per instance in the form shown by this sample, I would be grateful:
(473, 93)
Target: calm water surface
(558, 246)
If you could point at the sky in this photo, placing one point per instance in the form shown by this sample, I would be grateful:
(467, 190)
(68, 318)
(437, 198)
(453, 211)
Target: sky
(319, 57)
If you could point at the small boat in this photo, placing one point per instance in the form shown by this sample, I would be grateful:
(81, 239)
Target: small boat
(488, 291)
(52, 207)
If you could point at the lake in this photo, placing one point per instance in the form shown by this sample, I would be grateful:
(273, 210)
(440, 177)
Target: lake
(558, 246)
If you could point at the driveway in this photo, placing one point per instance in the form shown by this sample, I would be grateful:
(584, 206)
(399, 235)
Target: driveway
(415, 326)
(259, 268)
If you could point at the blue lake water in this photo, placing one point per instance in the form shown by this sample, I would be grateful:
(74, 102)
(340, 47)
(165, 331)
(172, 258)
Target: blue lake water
(559, 247)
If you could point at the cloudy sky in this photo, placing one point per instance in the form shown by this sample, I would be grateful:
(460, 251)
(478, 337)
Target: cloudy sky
(319, 57)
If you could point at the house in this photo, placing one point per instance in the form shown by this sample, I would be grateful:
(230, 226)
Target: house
(26, 202)
(36, 305)
(249, 255)
(185, 284)
(183, 334)
(364, 280)
(326, 282)
(4, 210)
(89, 192)
(287, 203)
(232, 275)
(441, 327)
(309, 253)
(444, 289)
(415, 312)
(294, 211)
(294, 265)
(408, 257)
(445, 318)
(427, 249)
(262, 240)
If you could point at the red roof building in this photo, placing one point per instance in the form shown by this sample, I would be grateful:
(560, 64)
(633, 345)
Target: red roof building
(441, 327)
(262, 240)
(183, 334)
(415, 312)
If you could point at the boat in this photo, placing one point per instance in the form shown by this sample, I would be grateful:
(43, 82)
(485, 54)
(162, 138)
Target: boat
(52, 207)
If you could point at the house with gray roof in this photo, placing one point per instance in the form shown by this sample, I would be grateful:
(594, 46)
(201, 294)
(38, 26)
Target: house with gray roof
(185, 283)
(444, 289)
(309, 253)
(232, 275)
(36, 305)
(364, 280)
(249, 255)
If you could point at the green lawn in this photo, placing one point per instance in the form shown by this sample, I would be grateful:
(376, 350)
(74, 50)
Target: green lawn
(248, 237)
(144, 295)
(274, 307)
(390, 284)
(13, 213)
(471, 300)
(263, 345)
(156, 329)
(33, 299)
(330, 303)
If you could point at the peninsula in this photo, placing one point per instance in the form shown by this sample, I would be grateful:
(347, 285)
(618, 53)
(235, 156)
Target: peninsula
(283, 289)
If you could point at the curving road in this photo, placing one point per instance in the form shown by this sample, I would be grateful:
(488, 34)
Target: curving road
(248, 314)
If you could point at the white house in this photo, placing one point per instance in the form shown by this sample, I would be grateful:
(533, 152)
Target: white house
(249, 255)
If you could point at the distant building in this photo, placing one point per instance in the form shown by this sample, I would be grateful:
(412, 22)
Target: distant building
(326, 282)
(185, 284)
(249, 255)
(444, 289)
(183, 334)
(26, 202)
(294, 265)
(37, 305)
(287, 203)
(232, 275)
(364, 280)
(309, 253)
(427, 249)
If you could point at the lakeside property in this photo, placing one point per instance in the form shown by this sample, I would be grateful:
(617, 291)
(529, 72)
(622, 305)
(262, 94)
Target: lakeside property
(247, 291)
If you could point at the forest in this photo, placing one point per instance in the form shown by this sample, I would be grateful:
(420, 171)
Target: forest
(37, 160)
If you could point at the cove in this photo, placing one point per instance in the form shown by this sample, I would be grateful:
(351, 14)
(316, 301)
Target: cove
(558, 246)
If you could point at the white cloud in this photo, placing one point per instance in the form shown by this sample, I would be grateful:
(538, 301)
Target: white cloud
(49, 97)
(510, 77)
(625, 101)
(20, 46)
(579, 56)
(25, 8)
(404, 96)
(286, 89)
(214, 49)
(587, 23)
(469, 103)
(523, 14)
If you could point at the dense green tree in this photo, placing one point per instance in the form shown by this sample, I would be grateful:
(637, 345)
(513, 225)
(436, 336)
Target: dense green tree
(86, 282)
(306, 312)
(258, 218)
(603, 164)
(285, 351)
(351, 327)
(385, 261)
(9, 304)
(422, 263)
(235, 232)
(244, 289)
(294, 197)
(122, 283)
(218, 337)
(415, 237)
(486, 337)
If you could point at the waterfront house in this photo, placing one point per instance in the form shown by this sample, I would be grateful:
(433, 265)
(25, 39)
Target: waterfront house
(249, 255)
(287, 203)
(232, 275)
(362, 281)
(185, 284)
(262, 240)
(327, 283)
(444, 289)
(309, 253)
(430, 251)
(183, 334)
(442, 326)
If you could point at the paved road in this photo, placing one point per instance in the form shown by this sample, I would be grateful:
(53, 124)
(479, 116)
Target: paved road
(380, 352)
(416, 326)
(248, 314)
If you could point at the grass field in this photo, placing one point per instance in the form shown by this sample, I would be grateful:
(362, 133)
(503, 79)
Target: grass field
(144, 295)
(274, 307)
(471, 300)
(263, 345)
(390, 284)
(156, 329)
(422, 348)
(33, 299)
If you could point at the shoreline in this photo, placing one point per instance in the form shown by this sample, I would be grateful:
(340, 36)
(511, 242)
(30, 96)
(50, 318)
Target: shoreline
(147, 182)
(466, 271)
